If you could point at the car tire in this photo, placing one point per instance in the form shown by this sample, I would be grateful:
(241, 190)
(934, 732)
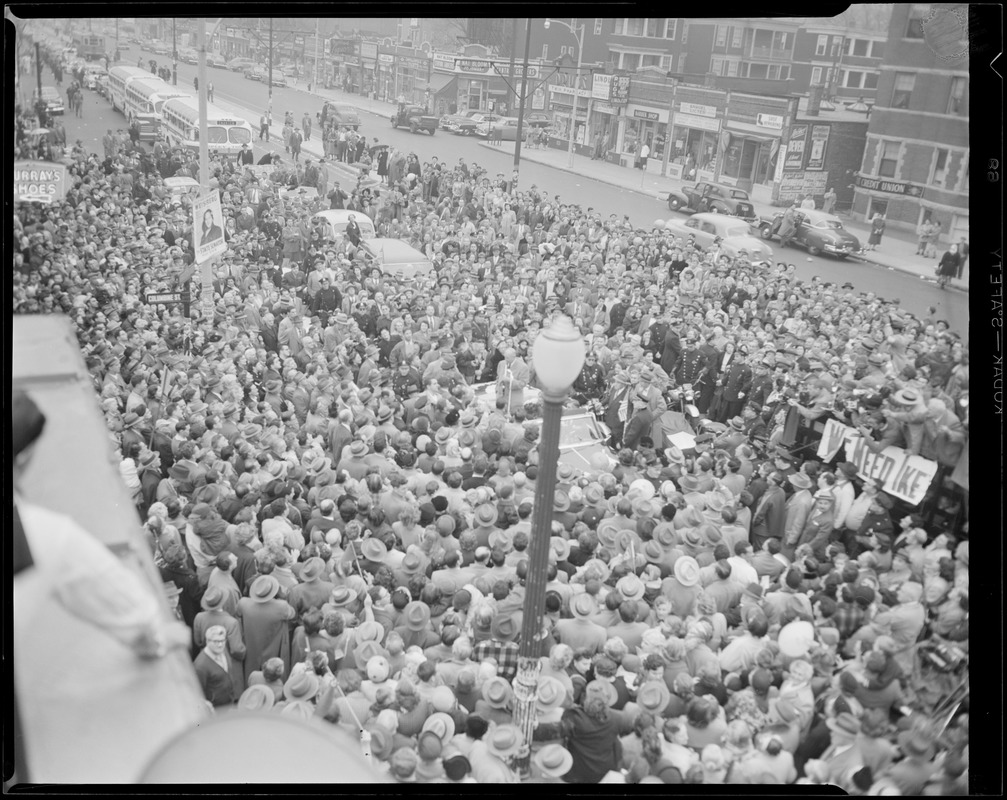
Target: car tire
(394, 123)
(766, 232)
(412, 127)
(814, 251)
(433, 131)
(674, 203)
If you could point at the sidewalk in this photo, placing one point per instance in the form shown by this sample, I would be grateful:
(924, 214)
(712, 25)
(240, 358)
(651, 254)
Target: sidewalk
(898, 251)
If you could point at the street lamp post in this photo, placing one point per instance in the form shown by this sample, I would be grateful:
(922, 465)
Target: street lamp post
(578, 34)
(557, 355)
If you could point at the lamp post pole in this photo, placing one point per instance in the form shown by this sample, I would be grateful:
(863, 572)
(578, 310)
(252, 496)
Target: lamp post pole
(558, 355)
(578, 34)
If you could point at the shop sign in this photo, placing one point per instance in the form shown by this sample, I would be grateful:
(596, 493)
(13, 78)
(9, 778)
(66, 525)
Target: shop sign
(369, 49)
(648, 115)
(413, 63)
(888, 186)
(445, 63)
(702, 123)
(799, 184)
(780, 158)
(819, 139)
(697, 110)
(605, 108)
(773, 121)
(795, 147)
(386, 58)
(601, 86)
(39, 182)
(568, 91)
(620, 89)
(902, 474)
(472, 65)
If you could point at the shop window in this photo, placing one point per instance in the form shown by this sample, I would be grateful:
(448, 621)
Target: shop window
(956, 97)
(889, 160)
(914, 27)
(903, 91)
(821, 45)
(877, 206)
(940, 171)
(870, 80)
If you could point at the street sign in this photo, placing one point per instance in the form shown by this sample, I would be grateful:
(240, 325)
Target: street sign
(166, 298)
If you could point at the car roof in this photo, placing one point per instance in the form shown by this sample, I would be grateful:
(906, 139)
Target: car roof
(394, 251)
(814, 215)
(340, 216)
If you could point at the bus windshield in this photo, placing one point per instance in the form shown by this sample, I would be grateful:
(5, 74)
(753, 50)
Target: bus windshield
(216, 135)
(239, 135)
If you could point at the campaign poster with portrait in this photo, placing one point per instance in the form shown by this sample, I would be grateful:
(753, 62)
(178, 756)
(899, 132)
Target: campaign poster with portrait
(207, 227)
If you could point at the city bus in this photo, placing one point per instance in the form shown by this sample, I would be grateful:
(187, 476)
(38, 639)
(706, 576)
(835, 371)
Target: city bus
(118, 78)
(144, 99)
(226, 132)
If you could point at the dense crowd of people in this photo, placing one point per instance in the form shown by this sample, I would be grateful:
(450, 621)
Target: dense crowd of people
(341, 513)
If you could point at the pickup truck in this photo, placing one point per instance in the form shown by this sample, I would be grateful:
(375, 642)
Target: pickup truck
(416, 118)
(712, 197)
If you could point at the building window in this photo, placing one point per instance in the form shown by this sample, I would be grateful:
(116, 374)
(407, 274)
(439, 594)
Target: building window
(635, 27)
(877, 49)
(631, 61)
(837, 46)
(957, 96)
(816, 76)
(721, 39)
(670, 28)
(619, 28)
(717, 66)
(732, 69)
(685, 31)
(889, 159)
(758, 70)
(822, 45)
(940, 171)
(785, 72)
(736, 38)
(870, 80)
(854, 79)
(914, 28)
(655, 27)
(681, 62)
(774, 72)
(597, 26)
(904, 82)
(860, 47)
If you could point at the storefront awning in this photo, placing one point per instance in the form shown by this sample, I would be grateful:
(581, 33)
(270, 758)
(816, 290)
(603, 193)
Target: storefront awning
(442, 83)
(751, 136)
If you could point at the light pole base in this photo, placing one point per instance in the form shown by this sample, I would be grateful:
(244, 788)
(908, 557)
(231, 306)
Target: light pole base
(525, 686)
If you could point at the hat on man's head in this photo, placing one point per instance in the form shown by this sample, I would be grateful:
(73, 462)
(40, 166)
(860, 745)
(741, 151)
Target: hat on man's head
(687, 571)
(497, 692)
(417, 615)
(264, 588)
(583, 606)
(504, 627)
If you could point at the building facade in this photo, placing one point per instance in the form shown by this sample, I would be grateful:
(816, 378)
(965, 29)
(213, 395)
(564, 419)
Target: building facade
(916, 160)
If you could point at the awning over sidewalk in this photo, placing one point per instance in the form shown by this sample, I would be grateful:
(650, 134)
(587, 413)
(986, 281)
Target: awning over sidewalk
(442, 83)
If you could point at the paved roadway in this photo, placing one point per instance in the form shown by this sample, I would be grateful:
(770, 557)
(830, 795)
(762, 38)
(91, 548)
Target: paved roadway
(234, 89)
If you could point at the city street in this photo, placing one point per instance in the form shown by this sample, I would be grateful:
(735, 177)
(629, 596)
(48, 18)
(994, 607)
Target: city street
(233, 90)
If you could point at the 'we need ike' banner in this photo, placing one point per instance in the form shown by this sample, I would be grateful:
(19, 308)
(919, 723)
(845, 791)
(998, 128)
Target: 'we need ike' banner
(902, 474)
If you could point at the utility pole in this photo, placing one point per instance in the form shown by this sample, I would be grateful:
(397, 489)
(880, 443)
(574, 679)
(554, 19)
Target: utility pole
(316, 55)
(510, 67)
(521, 99)
(206, 291)
(269, 110)
(174, 55)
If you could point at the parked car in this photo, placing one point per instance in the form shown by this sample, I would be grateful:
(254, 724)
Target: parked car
(256, 74)
(537, 119)
(484, 128)
(279, 79)
(470, 126)
(215, 60)
(344, 115)
(714, 197)
(101, 86)
(240, 64)
(817, 231)
(506, 130)
(450, 122)
(733, 235)
(188, 56)
(53, 100)
(396, 258)
(91, 74)
(415, 118)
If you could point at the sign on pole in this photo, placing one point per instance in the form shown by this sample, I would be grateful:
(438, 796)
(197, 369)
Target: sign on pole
(207, 227)
(39, 181)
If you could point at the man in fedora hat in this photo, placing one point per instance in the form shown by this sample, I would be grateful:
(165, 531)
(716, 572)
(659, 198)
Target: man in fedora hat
(582, 632)
(769, 519)
(313, 590)
(798, 508)
(266, 621)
